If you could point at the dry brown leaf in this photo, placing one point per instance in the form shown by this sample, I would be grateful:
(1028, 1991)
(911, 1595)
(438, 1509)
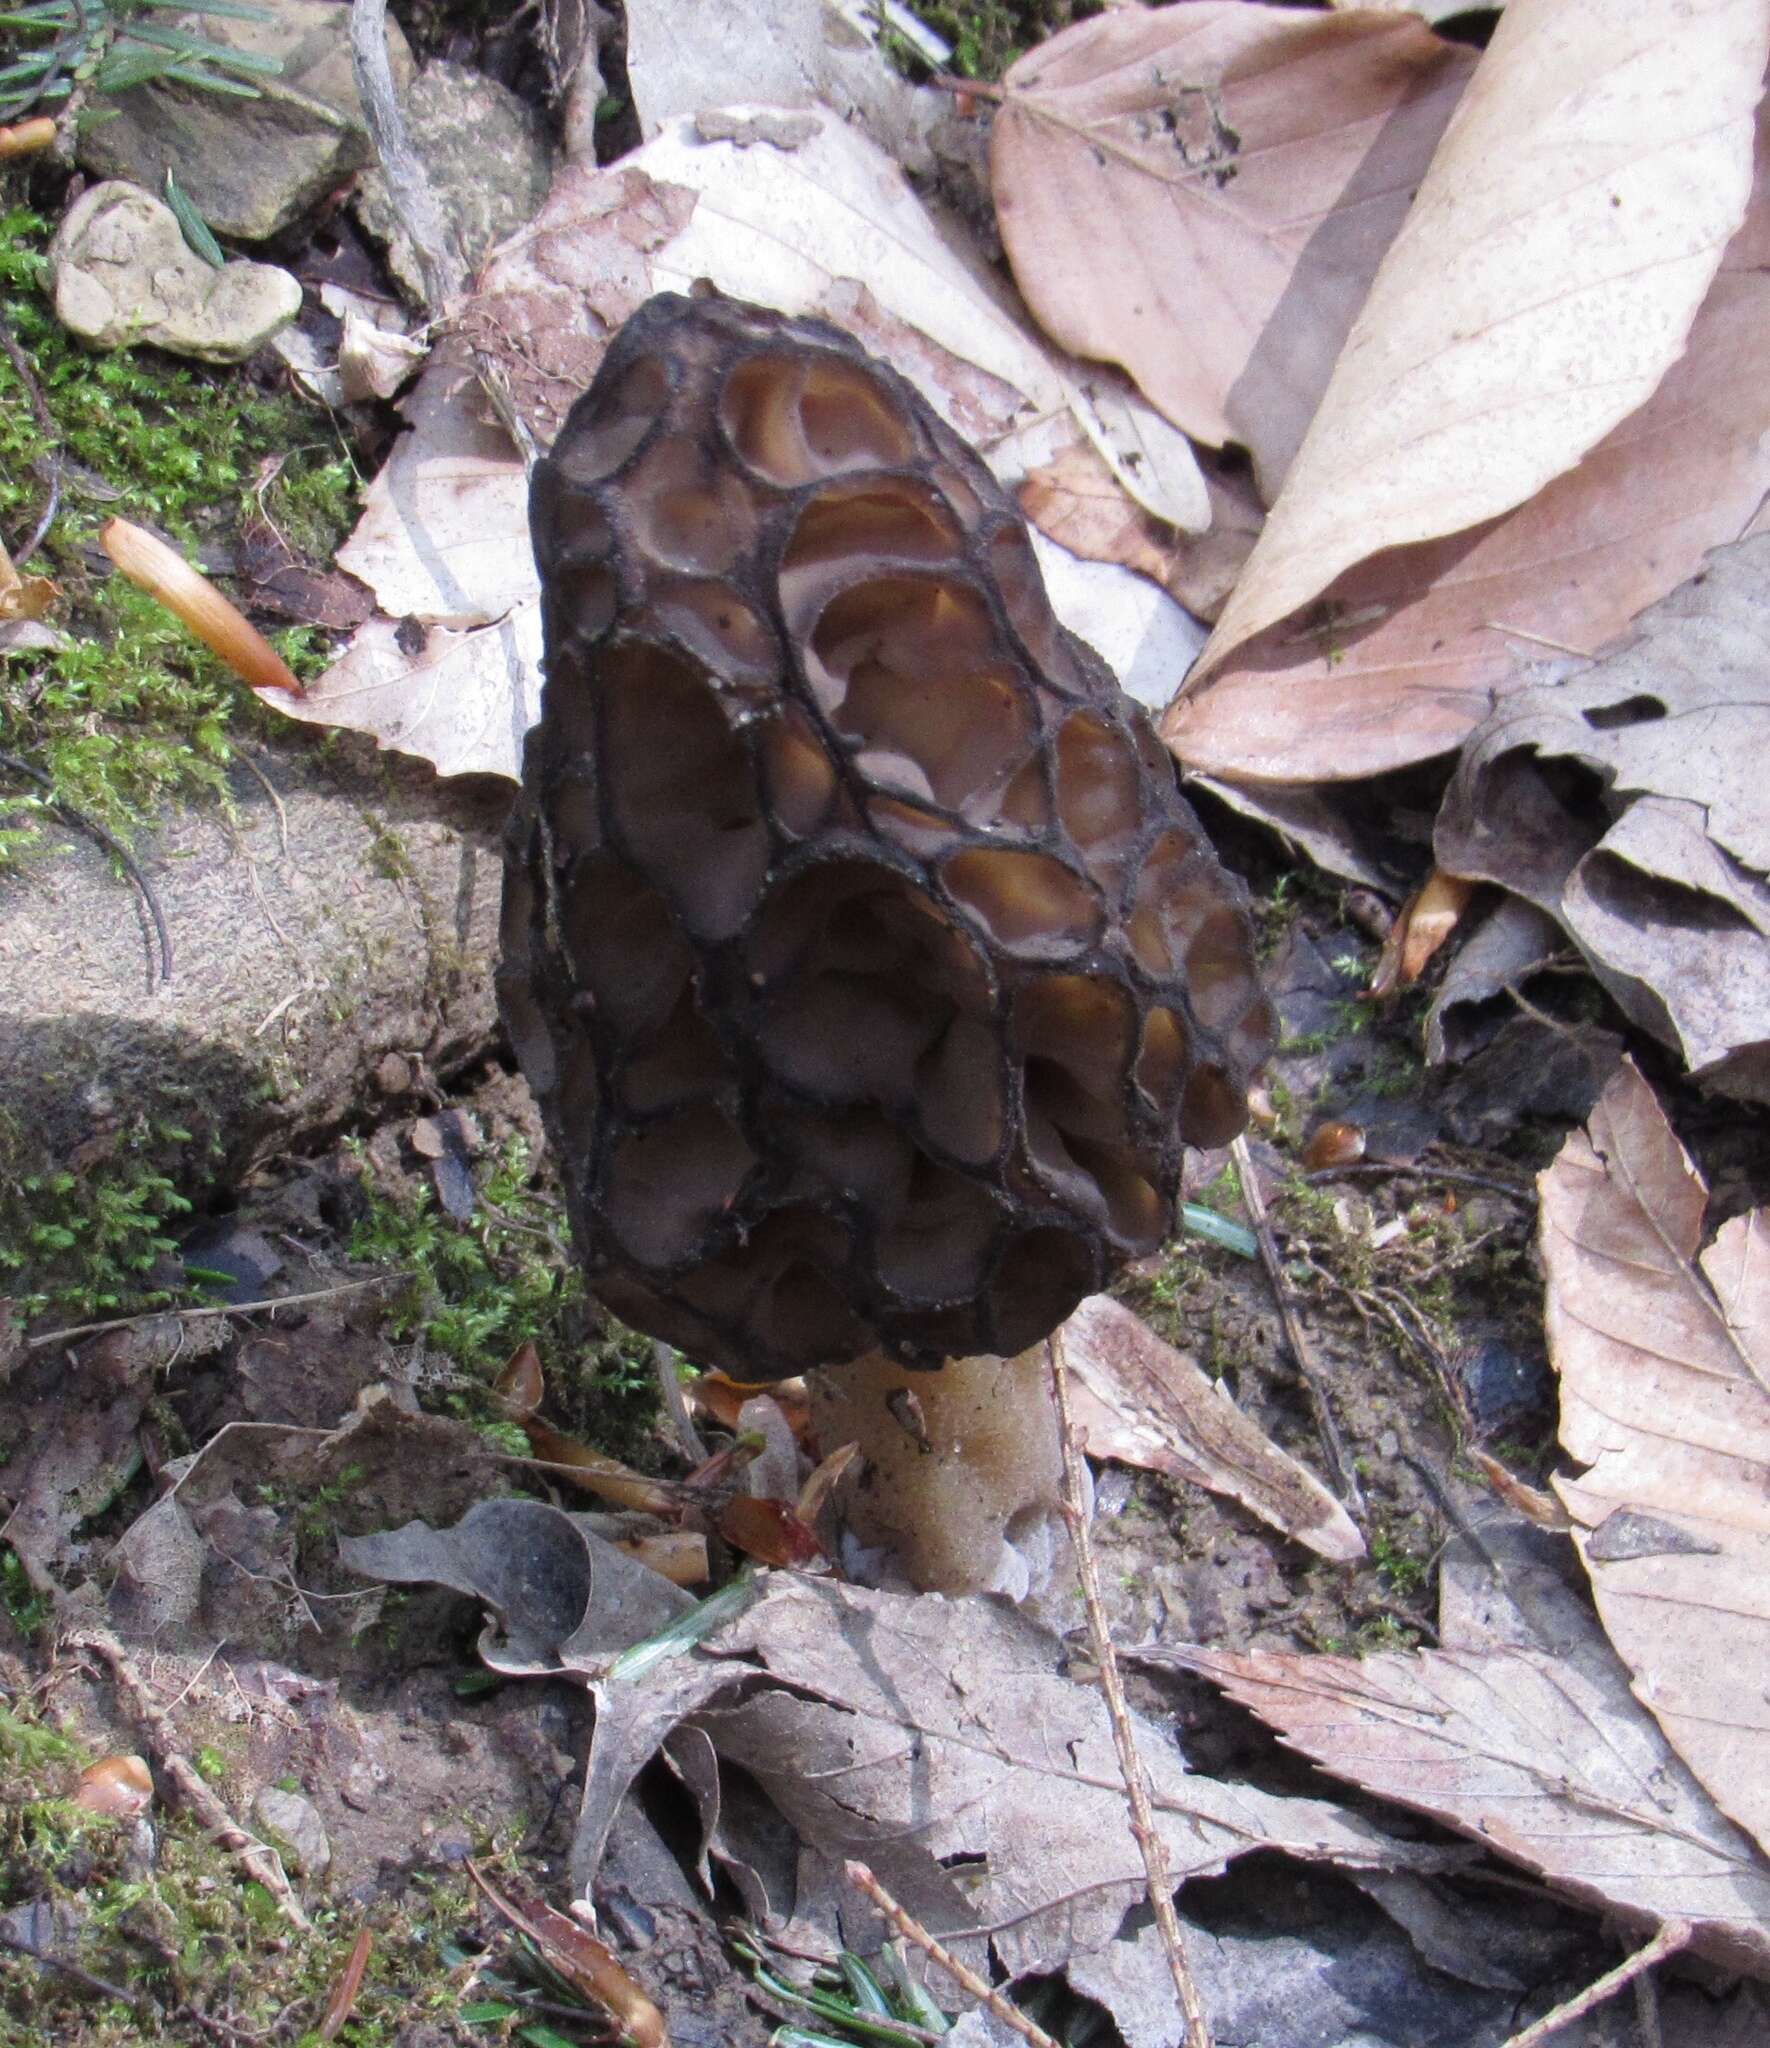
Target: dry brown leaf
(1405, 654)
(1535, 1759)
(937, 1736)
(1424, 922)
(452, 671)
(1203, 193)
(1141, 1402)
(1545, 280)
(1655, 857)
(1663, 1349)
(1077, 502)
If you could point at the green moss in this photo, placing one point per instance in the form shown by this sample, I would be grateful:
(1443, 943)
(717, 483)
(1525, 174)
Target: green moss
(204, 1952)
(84, 1246)
(505, 1277)
(135, 713)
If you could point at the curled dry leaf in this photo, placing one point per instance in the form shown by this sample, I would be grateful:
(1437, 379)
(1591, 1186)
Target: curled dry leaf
(1203, 193)
(1663, 1348)
(1655, 856)
(1427, 919)
(1544, 281)
(588, 1965)
(1140, 1401)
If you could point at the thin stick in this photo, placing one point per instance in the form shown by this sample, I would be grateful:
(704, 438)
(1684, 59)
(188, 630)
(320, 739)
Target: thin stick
(1010, 2016)
(259, 1862)
(21, 364)
(408, 182)
(78, 819)
(1451, 1176)
(224, 1308)
(1143, 1827)
(1671, 1937)
(49, 1960)
(1340, 1472)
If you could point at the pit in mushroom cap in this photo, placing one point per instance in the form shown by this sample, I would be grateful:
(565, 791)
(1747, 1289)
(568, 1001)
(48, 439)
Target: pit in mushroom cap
(867, 963)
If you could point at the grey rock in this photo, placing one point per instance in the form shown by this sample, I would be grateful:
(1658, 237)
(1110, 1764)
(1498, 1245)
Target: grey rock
(121, 273)
(489, 164)
(253, 166)
(295, 1829)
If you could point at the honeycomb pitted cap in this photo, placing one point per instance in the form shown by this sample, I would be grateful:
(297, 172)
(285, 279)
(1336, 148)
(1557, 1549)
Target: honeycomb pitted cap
(868, 965)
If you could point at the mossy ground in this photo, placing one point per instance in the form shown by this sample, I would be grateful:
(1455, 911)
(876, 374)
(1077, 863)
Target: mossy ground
(134, 713)
(205, 1952)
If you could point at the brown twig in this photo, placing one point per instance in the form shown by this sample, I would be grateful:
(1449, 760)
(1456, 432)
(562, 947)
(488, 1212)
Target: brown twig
(80, 822)
(45, 419)
(1672, 1936)
(259, 1862)
(1143, 1827)
(211, 1309)
(1340, 1472)
(986, 1995)
(49, 1960)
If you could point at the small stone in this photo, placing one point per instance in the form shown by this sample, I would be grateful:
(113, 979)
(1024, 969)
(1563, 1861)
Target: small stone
(122, 273)
(295, 1830)
(487, 158)
(252, 167)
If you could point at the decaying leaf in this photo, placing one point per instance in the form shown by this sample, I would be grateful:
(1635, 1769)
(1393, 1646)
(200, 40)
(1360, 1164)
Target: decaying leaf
(1076, 501)
(1663, 1349)
(941, 1736)
(1203, 193)
(1533, 1757)
(1626, 802)
(785, 53)
(1141, 1402)
(452, 671)
(1544, 281)
(1399, 659)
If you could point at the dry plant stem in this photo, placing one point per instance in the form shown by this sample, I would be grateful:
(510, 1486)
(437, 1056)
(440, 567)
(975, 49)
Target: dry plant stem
(225, 1308)
(253, 1857)
(408, 182)
(21, 364)
(1671, 1937)
(1010, 2016)
(1149, 1841)
(48, 1960)
(1340, 1474)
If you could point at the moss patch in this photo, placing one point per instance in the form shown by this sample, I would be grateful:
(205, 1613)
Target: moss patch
(135, 713)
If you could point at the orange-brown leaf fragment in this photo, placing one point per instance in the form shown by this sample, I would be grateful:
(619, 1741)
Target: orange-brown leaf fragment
(1203, 194)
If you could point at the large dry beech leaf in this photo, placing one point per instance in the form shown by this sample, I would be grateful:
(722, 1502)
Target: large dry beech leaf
(1542, 284)
(1663, 1348)
(790, 209)
(1656, 859)
(1404, 654)
(1529, 1754)
(1141, 1402)
(934, 1737)
(1203, 193)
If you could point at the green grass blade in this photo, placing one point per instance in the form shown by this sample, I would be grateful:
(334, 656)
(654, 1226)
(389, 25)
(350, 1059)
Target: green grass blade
(197, 231)
(218, 54)
(214, 81)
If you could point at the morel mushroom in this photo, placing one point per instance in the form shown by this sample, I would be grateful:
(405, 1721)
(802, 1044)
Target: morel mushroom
(866, 960)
